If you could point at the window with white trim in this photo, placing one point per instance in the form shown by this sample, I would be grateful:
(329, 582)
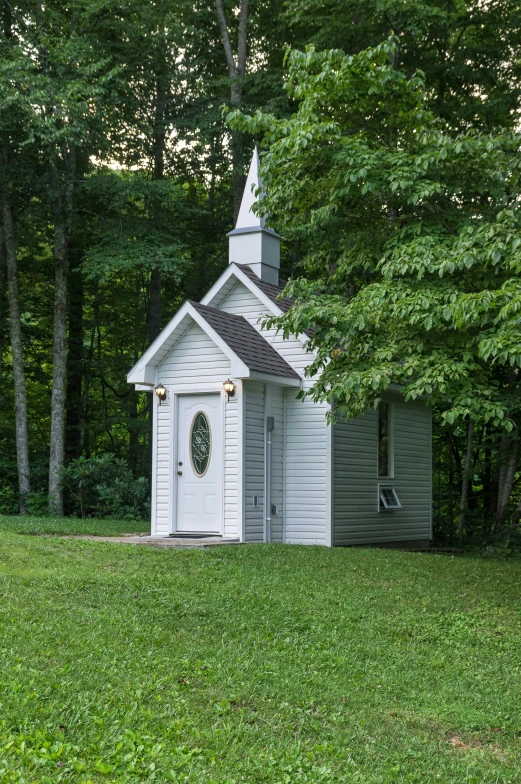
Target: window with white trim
(385, 457)
(388, 498)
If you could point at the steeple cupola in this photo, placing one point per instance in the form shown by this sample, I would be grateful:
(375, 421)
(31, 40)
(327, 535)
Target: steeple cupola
(251, 241)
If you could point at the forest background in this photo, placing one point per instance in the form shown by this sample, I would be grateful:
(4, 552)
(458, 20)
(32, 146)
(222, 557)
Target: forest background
(120, 175)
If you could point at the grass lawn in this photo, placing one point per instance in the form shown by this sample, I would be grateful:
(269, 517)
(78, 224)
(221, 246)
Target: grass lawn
(72, 525)
(258, 663)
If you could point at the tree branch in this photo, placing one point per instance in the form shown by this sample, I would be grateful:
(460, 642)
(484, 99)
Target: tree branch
(230, 60)
(242, 40)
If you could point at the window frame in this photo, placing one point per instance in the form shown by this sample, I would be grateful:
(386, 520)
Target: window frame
(390, 445)
(382, 503)
(210, 443)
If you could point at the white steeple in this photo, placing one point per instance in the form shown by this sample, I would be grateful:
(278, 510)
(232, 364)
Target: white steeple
(247, 218)
(252, 242)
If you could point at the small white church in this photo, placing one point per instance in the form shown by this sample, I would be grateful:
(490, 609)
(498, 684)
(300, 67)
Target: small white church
(235, 453)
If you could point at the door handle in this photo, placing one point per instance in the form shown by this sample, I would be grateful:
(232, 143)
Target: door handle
(179, 473)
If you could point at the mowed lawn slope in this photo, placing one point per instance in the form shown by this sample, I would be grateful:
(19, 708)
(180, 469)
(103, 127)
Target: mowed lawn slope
(88, 526)
(256, 664)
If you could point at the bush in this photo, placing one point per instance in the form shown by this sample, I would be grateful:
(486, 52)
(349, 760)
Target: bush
(8, 501)
(105, 487)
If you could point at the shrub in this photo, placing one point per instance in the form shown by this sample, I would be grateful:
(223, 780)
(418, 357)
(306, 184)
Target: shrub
(8, 501)
(105, 487)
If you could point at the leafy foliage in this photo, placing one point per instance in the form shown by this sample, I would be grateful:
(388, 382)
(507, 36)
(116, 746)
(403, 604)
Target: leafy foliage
(103, 486)
(415, 235)
(121, 107)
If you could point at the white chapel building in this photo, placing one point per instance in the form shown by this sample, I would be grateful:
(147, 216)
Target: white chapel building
(237, 455)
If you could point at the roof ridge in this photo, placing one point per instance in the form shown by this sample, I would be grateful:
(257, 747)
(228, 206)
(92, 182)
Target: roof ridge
(280, 286)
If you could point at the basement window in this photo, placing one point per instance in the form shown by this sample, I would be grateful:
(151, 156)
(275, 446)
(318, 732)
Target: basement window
(388, 498)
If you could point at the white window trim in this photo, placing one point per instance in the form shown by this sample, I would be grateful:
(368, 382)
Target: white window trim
(382, 504)
(390, 475)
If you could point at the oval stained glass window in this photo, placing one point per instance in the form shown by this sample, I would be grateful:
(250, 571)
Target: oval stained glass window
(200, 443)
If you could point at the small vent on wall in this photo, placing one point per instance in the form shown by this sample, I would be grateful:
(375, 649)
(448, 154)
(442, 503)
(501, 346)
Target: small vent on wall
(255, 500)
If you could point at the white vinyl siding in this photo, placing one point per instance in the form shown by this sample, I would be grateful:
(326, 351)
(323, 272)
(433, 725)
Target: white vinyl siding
(230, 468)
(194, 360)
(242, 302)
(275, 408)
(356, 519)
(302, 480)
(254, 440)
(306, 472)
(161, 514)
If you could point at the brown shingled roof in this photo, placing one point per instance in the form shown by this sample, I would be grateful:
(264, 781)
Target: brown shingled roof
(272, 291)
(246, 342)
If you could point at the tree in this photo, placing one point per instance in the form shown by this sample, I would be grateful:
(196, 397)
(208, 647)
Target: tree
(7, 237)
(13, 133)
(466, 50)
(236, 71)
(413, 243)
(67, 85)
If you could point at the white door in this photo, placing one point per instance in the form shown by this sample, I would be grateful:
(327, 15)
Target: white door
(199, 469)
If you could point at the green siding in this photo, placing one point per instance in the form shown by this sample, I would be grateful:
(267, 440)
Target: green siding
(356, 519)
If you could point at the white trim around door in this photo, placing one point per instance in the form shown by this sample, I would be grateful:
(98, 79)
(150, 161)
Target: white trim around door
(197, 470)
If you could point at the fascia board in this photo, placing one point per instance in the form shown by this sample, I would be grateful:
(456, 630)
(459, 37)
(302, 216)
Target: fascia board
(236, 271)
(272, 306)
(219, 283)
(144, 372)
(137, 374)
(238, 368)
(270, 378)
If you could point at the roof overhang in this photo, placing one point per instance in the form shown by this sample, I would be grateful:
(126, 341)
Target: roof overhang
(234, 271)
(144, 373)
(271, 378)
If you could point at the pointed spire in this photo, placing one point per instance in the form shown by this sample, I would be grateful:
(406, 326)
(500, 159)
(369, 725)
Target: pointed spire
(251, 241)
(247, 218)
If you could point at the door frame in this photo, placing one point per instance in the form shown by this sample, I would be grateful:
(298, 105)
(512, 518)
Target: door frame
(208, 390)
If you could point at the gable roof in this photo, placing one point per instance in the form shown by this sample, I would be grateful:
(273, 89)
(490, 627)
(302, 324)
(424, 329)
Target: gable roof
(271, 291)
(267, 293)
(246, 342)
(250, 354)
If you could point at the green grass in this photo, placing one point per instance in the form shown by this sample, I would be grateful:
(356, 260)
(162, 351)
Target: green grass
(39, 526)
(257, 663)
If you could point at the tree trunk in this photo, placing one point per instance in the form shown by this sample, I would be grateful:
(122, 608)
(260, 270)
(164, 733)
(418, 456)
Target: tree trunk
(451, 482)
(487, 477)
(62, 221)
(515, 518)
(15, 329)
(3, 295)
(465, 480)
(73, 418)
(154, 305)
(160, 123)
(236, 72)
(510, 458)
